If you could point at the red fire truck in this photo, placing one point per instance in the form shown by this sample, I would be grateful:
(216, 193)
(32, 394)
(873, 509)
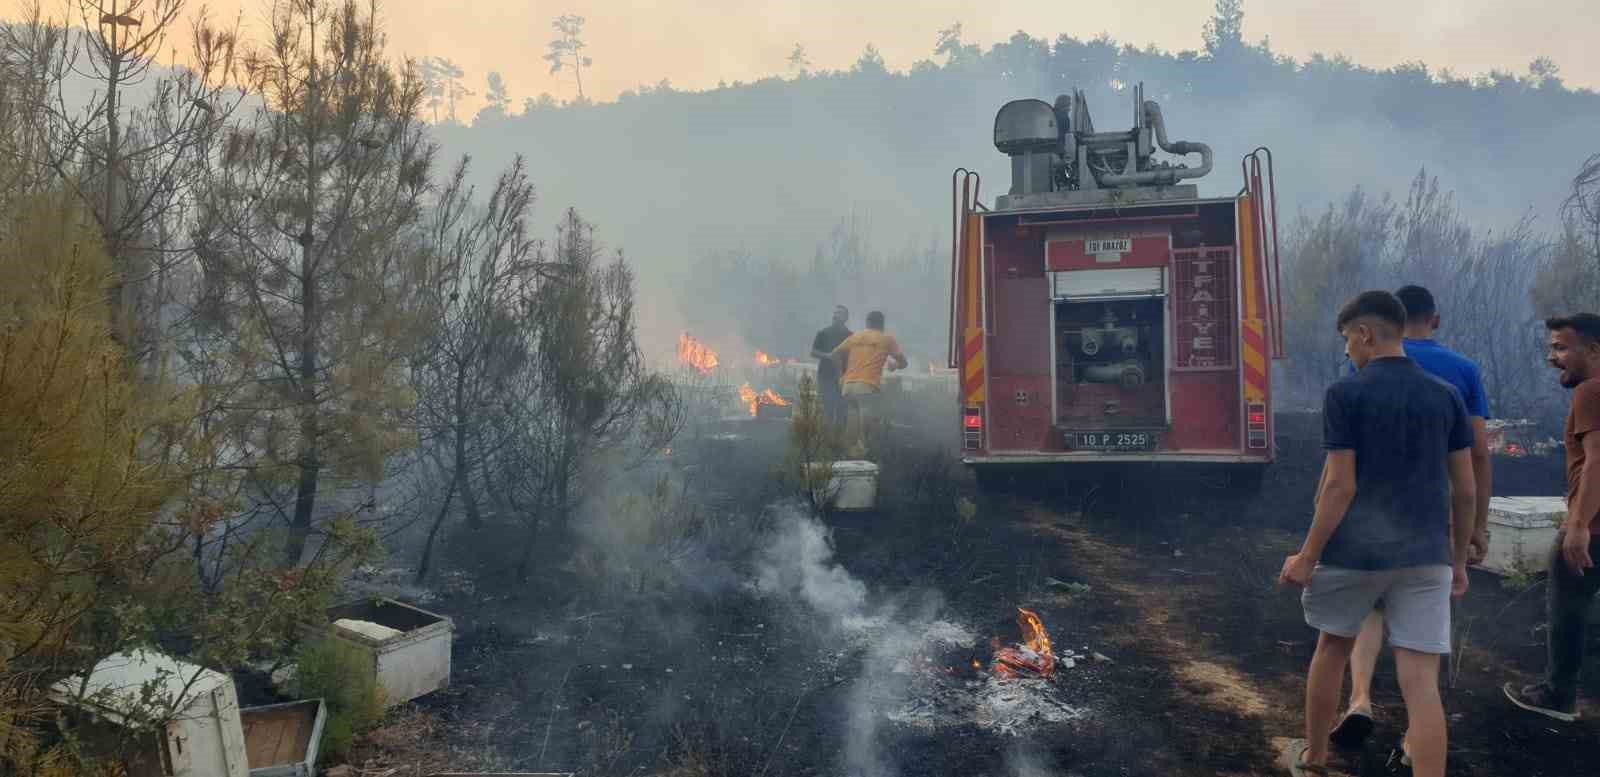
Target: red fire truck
(1103, 312)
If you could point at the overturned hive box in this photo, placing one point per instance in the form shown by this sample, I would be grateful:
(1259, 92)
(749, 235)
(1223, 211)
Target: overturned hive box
(409, 646)
(282, 740)
(1521, 532)
(202, 738)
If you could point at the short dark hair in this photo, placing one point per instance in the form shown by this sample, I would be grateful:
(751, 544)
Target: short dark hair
(875, 319)
(1419, 303)
(1381, 305)
(841, 307)
(1587, 325)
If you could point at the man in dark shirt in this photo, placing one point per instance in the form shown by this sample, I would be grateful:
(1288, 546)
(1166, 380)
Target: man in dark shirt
(1575, 350)
(828, 390)
(1422, 321)
(1393, 523)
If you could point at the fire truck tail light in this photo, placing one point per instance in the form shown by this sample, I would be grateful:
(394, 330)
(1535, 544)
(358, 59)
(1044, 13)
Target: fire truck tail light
(972, 428)
(1256, 425)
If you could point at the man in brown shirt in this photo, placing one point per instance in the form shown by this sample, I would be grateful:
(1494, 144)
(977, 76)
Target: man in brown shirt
(1575, 350)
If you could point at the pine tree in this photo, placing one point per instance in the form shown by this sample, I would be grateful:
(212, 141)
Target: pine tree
(308, 222)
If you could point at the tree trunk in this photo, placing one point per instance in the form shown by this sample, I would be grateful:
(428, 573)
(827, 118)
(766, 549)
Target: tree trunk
(495, 492)
(310, 313)
(526, 561)
(121, 311)
(463, 476)
(438, 520)
(310, 468)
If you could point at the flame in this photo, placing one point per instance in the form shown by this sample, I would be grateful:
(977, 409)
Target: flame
(1033, 655)
(765, 360)
(696, 354)
(754, 401)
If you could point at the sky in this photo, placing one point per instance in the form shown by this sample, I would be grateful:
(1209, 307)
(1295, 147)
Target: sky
(697, 43)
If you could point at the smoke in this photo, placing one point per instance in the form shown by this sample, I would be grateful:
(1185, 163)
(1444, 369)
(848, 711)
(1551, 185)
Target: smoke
(798, 565)
(1024, 760)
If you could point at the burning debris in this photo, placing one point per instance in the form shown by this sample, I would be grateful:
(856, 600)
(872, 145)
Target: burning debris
(696, 355)
(1032, 656)
(939, 689)
(766, 361)
(756, 401)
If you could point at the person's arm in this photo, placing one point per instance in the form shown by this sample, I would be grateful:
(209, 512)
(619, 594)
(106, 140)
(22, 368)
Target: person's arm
(1477, 406)
(1463, 504)
(1337, 492)
(1322, 483)
(1459, 444)
(817, 351)
(839, 353)
(1483, 489)
(897, 356)
(1581, 510)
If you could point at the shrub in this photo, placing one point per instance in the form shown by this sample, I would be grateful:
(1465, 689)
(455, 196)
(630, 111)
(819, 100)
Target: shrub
(343, 676)
(808, 463)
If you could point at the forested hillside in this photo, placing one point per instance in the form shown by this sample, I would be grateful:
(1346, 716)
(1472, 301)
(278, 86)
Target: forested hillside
(854, 166)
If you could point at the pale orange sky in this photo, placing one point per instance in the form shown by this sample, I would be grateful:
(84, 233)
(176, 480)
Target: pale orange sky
(696, 43)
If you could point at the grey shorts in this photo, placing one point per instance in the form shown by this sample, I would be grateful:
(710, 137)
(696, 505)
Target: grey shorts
(1416, 601)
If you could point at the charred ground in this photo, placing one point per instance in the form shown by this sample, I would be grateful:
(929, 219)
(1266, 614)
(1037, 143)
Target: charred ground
(691, 669)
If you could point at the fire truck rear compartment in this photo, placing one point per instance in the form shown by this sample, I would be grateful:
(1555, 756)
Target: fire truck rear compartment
(1105, 312)
(1110, 369)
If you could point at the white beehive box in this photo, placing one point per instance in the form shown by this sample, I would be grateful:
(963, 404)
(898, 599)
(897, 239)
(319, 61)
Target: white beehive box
(1521, 531)
(204, 737)
(409, 649)
(852, 485)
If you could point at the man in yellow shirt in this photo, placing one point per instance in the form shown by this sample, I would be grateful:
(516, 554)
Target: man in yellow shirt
(869, 351)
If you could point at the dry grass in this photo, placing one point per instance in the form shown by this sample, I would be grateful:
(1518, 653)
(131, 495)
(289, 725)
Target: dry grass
(412, 742)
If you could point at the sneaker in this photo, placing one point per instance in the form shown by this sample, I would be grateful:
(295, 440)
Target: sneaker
(1542, 699)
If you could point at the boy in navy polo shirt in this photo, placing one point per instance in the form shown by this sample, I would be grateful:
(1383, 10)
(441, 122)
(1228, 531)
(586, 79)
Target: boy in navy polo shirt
(1422, 321)
(1392, 524)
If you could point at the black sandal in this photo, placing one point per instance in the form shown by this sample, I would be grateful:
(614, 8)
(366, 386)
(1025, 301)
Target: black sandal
(1353, 729)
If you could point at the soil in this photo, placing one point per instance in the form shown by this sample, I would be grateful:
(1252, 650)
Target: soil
(1187, 659)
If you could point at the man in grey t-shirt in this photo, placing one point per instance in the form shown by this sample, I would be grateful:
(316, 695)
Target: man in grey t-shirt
(1393, 523)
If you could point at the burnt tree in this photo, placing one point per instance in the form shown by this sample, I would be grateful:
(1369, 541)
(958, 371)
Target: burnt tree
(482, 274)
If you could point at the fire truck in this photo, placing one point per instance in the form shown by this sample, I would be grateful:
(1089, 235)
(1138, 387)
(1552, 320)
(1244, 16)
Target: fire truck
(1103, 312)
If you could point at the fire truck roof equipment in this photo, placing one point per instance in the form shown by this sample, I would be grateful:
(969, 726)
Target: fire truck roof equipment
(1057, 158)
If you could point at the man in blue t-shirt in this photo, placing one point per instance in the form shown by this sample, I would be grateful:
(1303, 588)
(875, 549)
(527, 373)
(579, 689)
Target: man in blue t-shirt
(1393, 521)
(1422, 321)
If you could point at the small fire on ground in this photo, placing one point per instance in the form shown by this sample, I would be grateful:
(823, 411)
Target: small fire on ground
(753, 400)
(1032, 657)
(765, 360)
(696, 355)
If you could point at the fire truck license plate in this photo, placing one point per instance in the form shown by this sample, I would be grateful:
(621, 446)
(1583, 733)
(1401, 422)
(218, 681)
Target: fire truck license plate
(1113, 441)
